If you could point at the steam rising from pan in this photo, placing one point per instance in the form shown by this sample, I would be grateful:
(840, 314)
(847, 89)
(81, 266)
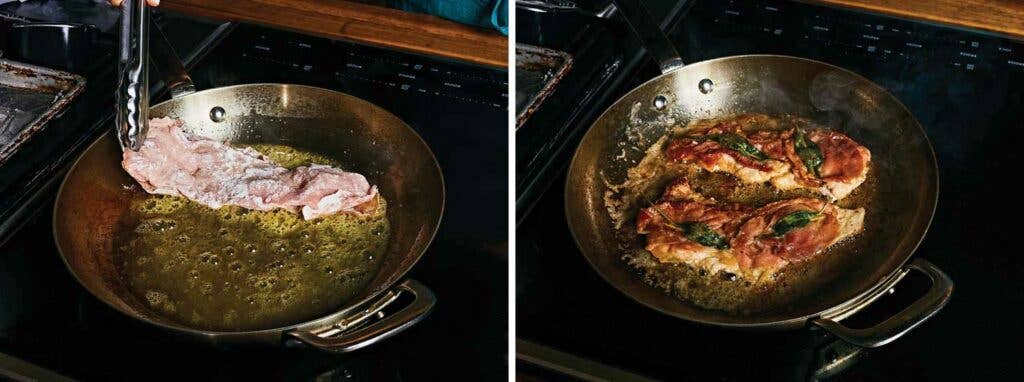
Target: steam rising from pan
(830, 90)
(841, 102)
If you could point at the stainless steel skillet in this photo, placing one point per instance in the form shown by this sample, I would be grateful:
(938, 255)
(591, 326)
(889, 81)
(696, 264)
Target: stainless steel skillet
(366, 138)
(904, 164)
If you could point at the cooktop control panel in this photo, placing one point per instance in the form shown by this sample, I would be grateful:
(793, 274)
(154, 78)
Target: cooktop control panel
(351, 65)
(835, 33)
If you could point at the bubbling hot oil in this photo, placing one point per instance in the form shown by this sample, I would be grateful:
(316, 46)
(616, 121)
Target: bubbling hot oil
(236, 269)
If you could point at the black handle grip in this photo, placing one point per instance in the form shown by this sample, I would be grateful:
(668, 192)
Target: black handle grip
(658, 45)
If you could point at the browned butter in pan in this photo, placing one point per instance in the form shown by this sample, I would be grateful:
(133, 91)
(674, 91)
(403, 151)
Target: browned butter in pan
(723, 291)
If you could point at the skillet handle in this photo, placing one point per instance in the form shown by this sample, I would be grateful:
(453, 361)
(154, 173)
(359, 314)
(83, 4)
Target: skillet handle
(658, 45)
(337, 339)
(901, 323)
(172, 70)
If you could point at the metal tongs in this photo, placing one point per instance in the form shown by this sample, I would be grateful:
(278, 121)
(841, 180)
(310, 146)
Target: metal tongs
(133, 81)
(133, 67)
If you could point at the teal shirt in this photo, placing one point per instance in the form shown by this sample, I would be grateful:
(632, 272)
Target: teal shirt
(483, 13)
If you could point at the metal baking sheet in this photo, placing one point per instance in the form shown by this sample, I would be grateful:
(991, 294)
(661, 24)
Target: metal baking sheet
(29, 97)
(538, 70)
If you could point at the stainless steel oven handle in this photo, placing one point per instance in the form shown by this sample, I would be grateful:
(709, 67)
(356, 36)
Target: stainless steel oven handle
(546, 6)
(338, 338)
(899, 324)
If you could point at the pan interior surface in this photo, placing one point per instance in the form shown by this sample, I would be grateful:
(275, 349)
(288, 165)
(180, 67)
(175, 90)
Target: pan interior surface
(236, 269)
(363, 137)
(903, 165)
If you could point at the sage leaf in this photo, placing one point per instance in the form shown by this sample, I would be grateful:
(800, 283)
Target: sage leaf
(739, 144)
(703, 234)
(697, 232)
(792, 221)
(809, 153)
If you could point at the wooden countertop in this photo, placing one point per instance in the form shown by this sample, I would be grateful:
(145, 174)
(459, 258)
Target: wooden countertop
(423, 34)
(1004, 17)
(362, 23)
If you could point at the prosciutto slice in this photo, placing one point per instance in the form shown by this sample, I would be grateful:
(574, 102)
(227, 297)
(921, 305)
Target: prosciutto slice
(754, 252)
(844, 164)
(173, 162)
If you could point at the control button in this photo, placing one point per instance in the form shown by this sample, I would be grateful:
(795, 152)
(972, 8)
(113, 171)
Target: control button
(968, 54)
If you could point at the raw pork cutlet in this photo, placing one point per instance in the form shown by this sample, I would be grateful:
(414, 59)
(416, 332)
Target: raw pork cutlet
(173, 162)
(825, 161)
(791, 231)
(690, 229)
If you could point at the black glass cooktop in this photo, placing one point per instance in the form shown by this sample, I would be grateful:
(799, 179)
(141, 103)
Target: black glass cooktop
(964, 87)
(47, 319)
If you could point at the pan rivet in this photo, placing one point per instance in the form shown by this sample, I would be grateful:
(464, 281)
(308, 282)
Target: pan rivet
(706, 86)
(217, 114)
(660, 102)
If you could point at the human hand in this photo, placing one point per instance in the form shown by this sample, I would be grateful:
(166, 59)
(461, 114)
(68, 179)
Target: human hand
(152, 3)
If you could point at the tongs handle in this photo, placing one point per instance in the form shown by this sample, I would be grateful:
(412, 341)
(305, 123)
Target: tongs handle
(133, 68)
